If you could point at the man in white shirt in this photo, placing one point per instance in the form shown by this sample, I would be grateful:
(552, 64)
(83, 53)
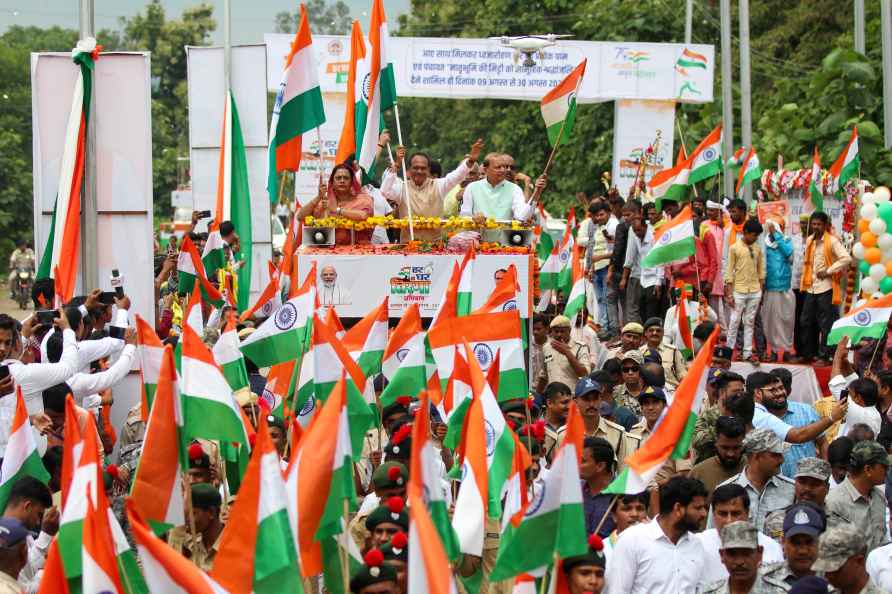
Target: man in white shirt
(879, 564)
(663, 556)
(598, 252)
(85, 387)
(730, 503)
(31, 503)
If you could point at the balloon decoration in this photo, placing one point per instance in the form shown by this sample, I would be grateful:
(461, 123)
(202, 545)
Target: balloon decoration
(874, 247)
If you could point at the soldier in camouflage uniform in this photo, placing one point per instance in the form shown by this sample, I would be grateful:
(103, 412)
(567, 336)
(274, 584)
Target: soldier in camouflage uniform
(130, 444)
(741, 555)
(842, 552)
(726, 384)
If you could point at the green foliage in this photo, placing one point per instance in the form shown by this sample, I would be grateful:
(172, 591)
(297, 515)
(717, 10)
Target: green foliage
(325, 19)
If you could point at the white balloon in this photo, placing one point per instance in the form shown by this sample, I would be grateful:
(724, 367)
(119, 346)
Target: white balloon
(858, 251)
(884, 242)
(869, 286)
(877, 272)
(877, 295)
(881, 194)
(878, 226)
(869, 212)
(868, 198)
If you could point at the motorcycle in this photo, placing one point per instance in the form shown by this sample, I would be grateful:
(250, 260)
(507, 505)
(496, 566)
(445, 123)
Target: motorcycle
(22, 283)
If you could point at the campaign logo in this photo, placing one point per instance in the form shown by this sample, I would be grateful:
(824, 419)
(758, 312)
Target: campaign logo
(401, 354)
(490, 438)
(484, 355)
(286, 316)
(510, 305)
(863, 318)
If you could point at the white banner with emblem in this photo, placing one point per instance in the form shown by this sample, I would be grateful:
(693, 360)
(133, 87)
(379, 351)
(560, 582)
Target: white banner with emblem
(355, 283)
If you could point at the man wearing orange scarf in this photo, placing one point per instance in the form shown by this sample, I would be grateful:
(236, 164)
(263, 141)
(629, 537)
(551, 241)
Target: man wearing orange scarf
(824, 263)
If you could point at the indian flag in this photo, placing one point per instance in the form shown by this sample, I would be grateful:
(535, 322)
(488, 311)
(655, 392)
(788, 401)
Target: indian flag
(556, 272)
(576, 299)
(847, 165)
(367, 339)
(706, 160)
(376, 95)
(428, 569)
(867, 321)
(553, 523)
(269, 300)
(487, 334)
(100, 575)
(209, 408)
(683, 338)
(280, 337)
(465, 284)
(750, 170)
(149, 351)
(504, 294)
(166, 571)
(425, 480)
(319, 480)
(815, 192)
(278, 389)
(673, 241)
(190, 268)
(298, 108)
(736, 159)
(689, 59)
(473, 497)
(21, 458)
(347, 141)
(559, 106)
(228, 356)
(62, 250)
(672, 436)
(213, 258)
(259, 525)
(234, 195)
(404, 359)
(157, 491)
(672, 183)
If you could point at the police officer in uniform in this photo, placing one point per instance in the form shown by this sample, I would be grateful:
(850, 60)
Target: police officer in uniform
(742, 556)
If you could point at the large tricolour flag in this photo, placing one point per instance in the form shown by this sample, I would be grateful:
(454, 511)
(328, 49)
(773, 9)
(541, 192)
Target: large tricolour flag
(671, 438)
(673, 240)
(866, 321)
(847, 164)
(347, 141)
(62, 250)
(559, 106)
(21, 458)
(298, 108)
(280, 337)
(706, 159)
(380, 92)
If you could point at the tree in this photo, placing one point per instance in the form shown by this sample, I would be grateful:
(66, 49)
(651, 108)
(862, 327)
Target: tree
(325, 19)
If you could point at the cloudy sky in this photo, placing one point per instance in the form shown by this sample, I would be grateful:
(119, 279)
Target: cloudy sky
(250, 18)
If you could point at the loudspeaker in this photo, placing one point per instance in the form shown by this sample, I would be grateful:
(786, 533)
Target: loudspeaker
(318, 236)
(516, 238)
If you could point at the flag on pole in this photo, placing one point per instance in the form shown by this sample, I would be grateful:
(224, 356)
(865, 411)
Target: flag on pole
(157, 491)
(166, 571)
(672, 183)
(190, 268)
(750, 171)
(100, 575)
(367, 339)
(553, 523)
(576, 299)
(673, 240)
(736, 159)
(53, 580)
(504, 294)
(867, 321)
(556, 272)
(847, 164)
(269, 300)
(280, 337)
(209, 408)
(706, 159)
(21, 458)
(672, 436)
(404, 359)
(234, 196)
(73, 443)
(298, 108)
(213, 256)
(684, 340)
(257, 552)
(228, 356)
(378, 94)
(320, 478)
(815, 191)
(62, 250)
(465, 284)
(347, 141)
(150, 351)
(559, 106)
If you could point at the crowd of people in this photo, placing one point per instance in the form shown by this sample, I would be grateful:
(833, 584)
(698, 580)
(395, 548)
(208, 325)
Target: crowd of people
(773, 495)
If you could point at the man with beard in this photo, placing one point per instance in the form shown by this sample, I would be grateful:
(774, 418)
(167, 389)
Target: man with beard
(662, 556)
(728, 461)
(741, 555)
(792, 422)
(730, 504)
(330, 292)
(802, 526)
(727, 385)
(31, 503)
(768, 491)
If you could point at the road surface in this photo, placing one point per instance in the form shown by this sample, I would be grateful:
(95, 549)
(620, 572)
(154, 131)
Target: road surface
(8, 306)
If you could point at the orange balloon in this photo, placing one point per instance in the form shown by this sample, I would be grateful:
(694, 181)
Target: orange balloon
(873, 255)
(863, 225)
(868, 239)
(889, 268)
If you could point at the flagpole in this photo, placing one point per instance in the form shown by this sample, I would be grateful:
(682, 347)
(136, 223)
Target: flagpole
(321, 156)
(537, 192)
(684, 146)
(606, 513)
(342, 551)
(406, 199)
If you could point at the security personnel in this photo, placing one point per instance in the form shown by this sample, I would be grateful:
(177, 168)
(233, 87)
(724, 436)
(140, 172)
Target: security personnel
(741, 555)
(803, 524)
(130, 445)
(389, 480)
(201, 549)
(671, 358)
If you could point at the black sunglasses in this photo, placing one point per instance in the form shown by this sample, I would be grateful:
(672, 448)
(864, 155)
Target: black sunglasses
(631, 369)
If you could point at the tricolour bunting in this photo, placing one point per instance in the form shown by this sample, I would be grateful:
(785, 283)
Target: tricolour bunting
(867, 321)
(673, 240)
(298, 108)
(559, 106)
